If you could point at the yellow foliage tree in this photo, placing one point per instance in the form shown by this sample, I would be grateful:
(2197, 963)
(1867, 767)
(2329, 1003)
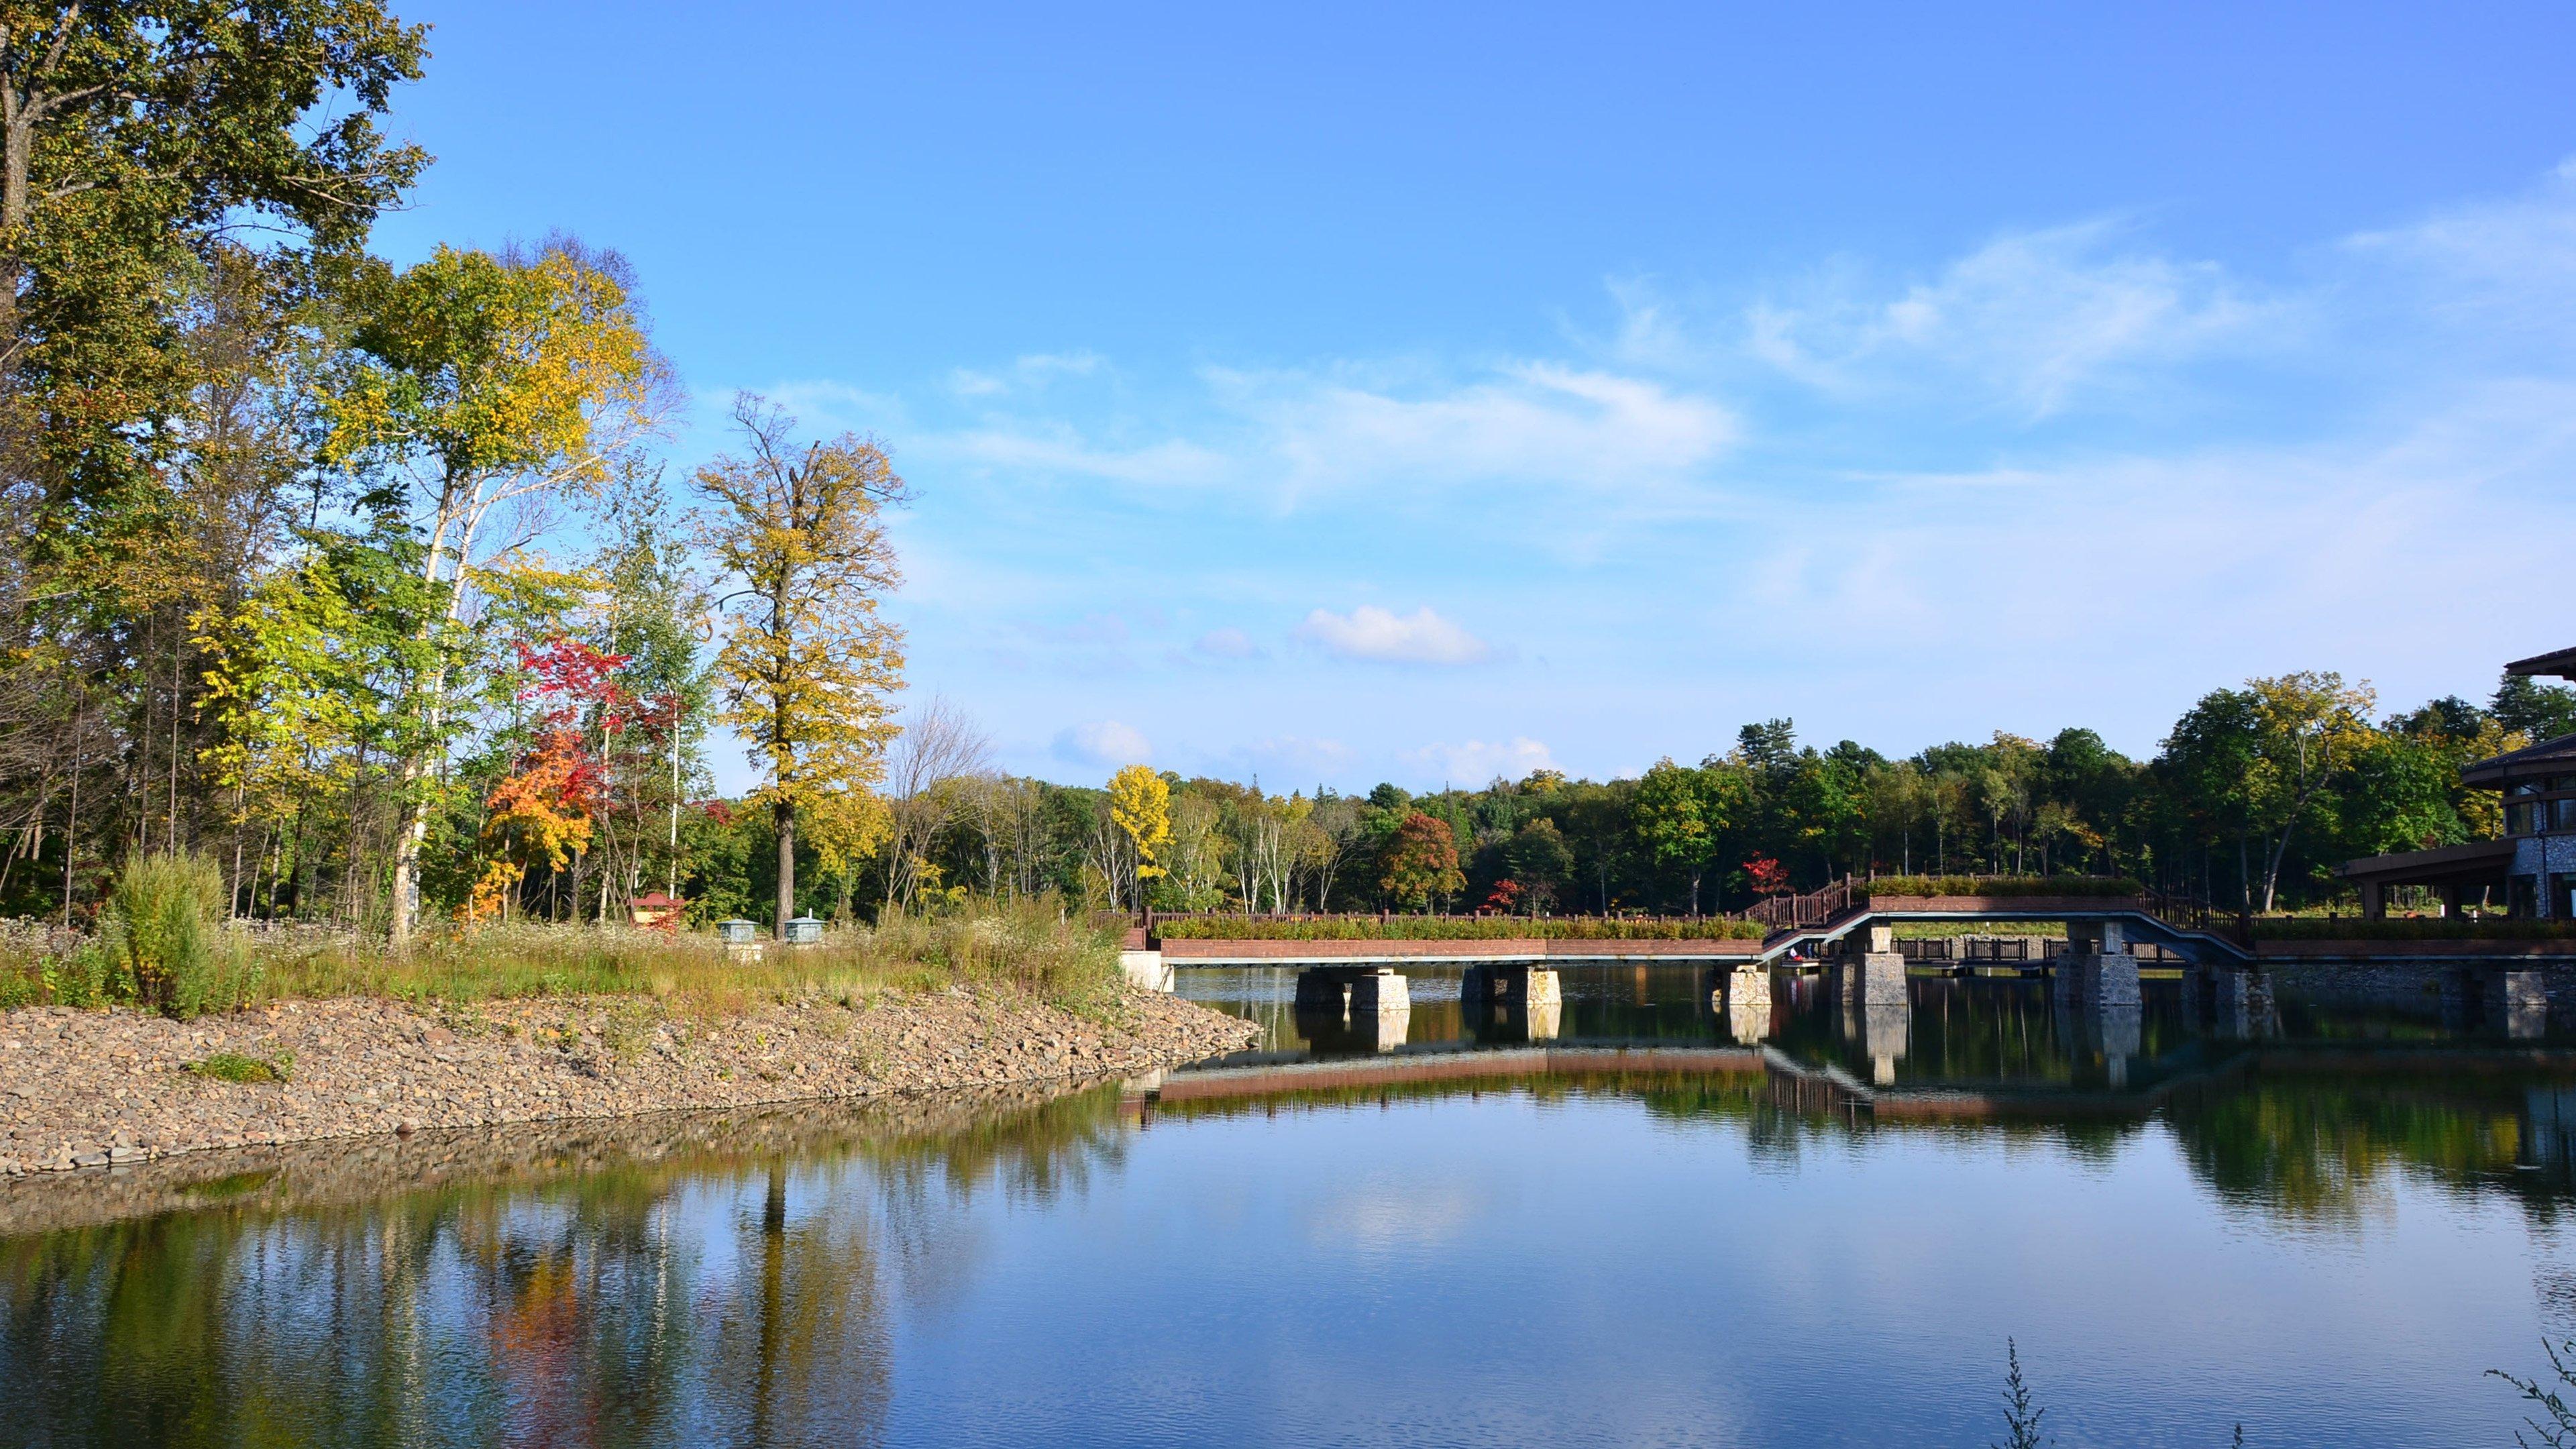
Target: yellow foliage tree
(808, 669)
(1140, 805)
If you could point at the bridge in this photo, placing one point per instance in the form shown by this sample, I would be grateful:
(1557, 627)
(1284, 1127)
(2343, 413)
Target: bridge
(1806, 924)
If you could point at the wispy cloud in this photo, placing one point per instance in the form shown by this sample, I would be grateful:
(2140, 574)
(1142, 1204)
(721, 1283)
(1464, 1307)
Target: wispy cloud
(1544, 424)
(1225, 644)
(1104, 744)
(1477, 761)
(2032, 319)
(1371, 633)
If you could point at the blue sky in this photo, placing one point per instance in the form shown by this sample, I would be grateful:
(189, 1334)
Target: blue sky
(1415, 393)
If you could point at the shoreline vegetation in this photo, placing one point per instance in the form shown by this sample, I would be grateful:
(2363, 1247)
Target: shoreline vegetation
(167, 1032)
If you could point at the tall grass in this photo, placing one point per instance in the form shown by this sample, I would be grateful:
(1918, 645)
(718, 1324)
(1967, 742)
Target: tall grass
(1029, 948)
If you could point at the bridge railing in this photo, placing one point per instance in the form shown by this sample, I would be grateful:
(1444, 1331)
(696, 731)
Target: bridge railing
(1795, 912)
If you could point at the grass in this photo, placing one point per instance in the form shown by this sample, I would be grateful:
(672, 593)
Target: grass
(1453, 928)
(1028, 948)
(234, 1067)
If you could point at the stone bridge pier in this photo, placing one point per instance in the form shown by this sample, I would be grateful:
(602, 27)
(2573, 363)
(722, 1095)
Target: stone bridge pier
(1370, 1007)
(1870, 969)
(1741, 998)
(1352, 989)
(2240, 999)
(1511, 985)
(2097, 967)
(2517, 1002)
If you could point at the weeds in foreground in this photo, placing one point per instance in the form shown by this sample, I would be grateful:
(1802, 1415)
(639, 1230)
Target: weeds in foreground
(2021, 1415)
(2023, 1412)
(2559, 1429)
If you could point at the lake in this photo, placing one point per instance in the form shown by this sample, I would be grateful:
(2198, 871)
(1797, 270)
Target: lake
(1627, 1225)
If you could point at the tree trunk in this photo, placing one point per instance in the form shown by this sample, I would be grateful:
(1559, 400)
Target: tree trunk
(784, 814)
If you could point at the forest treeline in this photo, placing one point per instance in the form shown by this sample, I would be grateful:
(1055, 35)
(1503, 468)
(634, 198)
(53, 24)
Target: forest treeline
(2257, 793)
(373, 586)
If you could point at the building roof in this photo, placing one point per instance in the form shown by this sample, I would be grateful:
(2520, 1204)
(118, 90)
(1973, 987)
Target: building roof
(2548, 757)
(2556, 664)
(2478, 861)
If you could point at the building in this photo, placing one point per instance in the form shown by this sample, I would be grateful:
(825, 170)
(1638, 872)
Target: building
(2532, 870)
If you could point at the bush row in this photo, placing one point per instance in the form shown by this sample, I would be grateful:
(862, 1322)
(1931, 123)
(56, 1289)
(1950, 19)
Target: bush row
(1452, 928)
(2356, 928)
(2002, 885)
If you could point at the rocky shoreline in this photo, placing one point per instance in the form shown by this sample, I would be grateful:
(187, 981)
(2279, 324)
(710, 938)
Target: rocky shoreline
(93, 1089)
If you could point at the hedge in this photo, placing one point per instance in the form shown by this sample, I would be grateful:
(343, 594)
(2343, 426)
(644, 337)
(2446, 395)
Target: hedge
(2357, 928)
(2002, 885)
(1452, 928)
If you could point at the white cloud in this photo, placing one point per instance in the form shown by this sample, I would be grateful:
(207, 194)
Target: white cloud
(1225, 644)
(1476, 761)
(2508, 260)
(1106, 744)
(1369, 632)
(822, 409)
(2033, 318)
(1533, 423)
(1057, 448)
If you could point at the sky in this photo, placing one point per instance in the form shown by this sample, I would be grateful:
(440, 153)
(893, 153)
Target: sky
(1335, 394)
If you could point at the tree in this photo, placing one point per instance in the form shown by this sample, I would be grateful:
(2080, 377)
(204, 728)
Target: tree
(1540, 861)
(2524, 705)
(488, 381)
(938, 750)
(807, 667)
(2259, 763)
(133, 136)
(1421, 862)
(1673, 823)
(1140, 806)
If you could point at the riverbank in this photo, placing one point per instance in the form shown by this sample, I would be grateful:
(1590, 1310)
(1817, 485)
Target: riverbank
(91, 1088)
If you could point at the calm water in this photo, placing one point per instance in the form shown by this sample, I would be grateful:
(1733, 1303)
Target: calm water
(2325, 1235)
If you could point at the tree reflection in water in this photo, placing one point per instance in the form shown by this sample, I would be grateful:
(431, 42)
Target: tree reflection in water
(745, 1279)
(694, 1297)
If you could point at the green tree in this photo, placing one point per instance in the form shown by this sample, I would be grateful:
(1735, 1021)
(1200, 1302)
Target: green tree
(133, 137)
(1540, 861)
(1672, 821)
(2260, 764)
(808, 668)
(2527, 706)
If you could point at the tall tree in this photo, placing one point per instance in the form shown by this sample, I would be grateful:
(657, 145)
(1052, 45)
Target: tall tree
(489, 385)
(2259, 763)
(808, 668)
(1672, 818)
(132, 135)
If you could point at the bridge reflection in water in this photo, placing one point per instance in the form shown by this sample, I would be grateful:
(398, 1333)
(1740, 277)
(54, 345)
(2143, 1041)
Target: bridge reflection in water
(1886, 1032)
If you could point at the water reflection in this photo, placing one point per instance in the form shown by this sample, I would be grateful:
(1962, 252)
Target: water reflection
(1138, 1264)
(627, 1292)
(748, 1280)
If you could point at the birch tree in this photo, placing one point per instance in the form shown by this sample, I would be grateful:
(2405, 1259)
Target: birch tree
(490, 386)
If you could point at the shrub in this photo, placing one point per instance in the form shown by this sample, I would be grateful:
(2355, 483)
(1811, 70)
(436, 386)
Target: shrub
(235, 1067)
(162, 913)
(2003, 885)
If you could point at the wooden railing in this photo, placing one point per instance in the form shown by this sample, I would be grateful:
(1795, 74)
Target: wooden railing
(1815, 908)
